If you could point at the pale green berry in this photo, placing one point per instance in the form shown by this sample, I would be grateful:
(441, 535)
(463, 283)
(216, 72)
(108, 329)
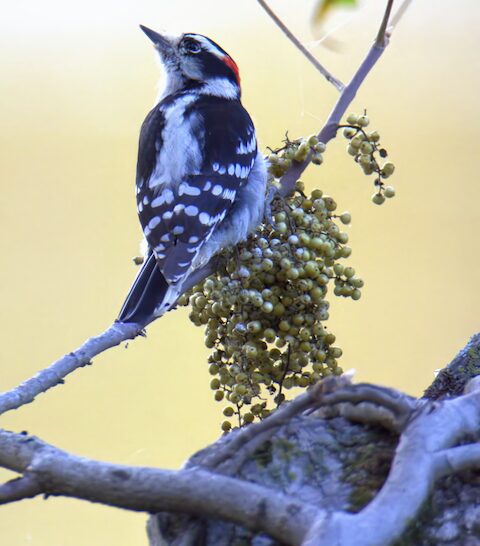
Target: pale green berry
(366, 148)
(363, 121)
(346, 218)
(356, 294)
(215, 383)
(248, 417)
(378, 198)
(351, 150)
(352, 119)
(387, 169)
(389, 191)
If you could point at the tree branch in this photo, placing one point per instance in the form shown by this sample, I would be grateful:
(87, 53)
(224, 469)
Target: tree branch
(194, 491)
(248, 439)
(289, 34)
(381, 38)
(55, 373)
(458, 459)
(329, 130)
(25, 487)
(416, 467)
(426, 451)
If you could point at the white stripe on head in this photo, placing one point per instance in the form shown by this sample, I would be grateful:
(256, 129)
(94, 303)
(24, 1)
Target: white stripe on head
(207, 44)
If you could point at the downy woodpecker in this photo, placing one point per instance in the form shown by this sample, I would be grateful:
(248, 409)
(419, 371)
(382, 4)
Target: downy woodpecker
(200, 177)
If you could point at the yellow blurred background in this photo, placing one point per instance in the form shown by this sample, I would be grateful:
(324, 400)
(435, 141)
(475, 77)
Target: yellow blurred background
(76, 81)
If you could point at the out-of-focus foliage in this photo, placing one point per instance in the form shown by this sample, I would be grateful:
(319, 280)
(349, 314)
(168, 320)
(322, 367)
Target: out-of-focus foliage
(323, 8)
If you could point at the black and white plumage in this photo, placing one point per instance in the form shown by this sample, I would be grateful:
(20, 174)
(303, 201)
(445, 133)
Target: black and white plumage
(200, 177)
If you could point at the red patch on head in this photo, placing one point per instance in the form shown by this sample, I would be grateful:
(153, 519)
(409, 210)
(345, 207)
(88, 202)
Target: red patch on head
(232, 65)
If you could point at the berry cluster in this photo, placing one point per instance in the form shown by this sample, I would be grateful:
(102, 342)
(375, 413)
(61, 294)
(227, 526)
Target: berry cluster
(365, 147)
(295, 150)
(265, 308)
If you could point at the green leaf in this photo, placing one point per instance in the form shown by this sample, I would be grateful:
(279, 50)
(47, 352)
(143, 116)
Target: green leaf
(325, 7)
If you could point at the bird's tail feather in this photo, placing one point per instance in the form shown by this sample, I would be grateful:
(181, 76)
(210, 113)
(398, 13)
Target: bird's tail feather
(146, 294)
(151, 295)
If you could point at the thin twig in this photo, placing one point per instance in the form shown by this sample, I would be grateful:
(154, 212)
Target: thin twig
(381, 39)
(329, 130)
(55, 373)
(289, 34)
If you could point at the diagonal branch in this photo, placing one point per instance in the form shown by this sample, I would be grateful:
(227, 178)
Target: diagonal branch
(382, 32)
(289, 34)
(329, 130)
(55, 373)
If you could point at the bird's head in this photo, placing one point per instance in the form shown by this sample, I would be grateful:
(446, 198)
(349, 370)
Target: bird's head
(193, 60)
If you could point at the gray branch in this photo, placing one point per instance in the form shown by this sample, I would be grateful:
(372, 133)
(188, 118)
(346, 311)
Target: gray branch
(348, 93)
(194, 491)
(54, 375)
(428, 450)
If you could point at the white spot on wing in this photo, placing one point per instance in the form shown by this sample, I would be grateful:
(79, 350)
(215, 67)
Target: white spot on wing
(154, 222)
(193, 239)
(231, 169)
(222, 170)
(217, 189)
(238, 170)
(204, 218)
(228, 194)
(191, 210)
(165, 197)
(185, 188)
(207, 186)
(167, 215)
(178, 230)
(177, 209)
(215, 167)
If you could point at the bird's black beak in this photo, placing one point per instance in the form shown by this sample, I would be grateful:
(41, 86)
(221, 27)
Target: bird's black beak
(160, 42)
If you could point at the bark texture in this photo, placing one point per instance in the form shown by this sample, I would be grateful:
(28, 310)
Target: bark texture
(340, 465)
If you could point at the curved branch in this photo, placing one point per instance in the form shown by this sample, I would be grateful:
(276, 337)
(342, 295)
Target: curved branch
(56, 372)
(194, 491)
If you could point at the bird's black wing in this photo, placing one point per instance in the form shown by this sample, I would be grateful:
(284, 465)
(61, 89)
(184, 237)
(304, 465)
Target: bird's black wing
(178, 220)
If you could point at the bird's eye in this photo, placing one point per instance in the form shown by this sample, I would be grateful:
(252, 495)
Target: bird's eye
(191, 47)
